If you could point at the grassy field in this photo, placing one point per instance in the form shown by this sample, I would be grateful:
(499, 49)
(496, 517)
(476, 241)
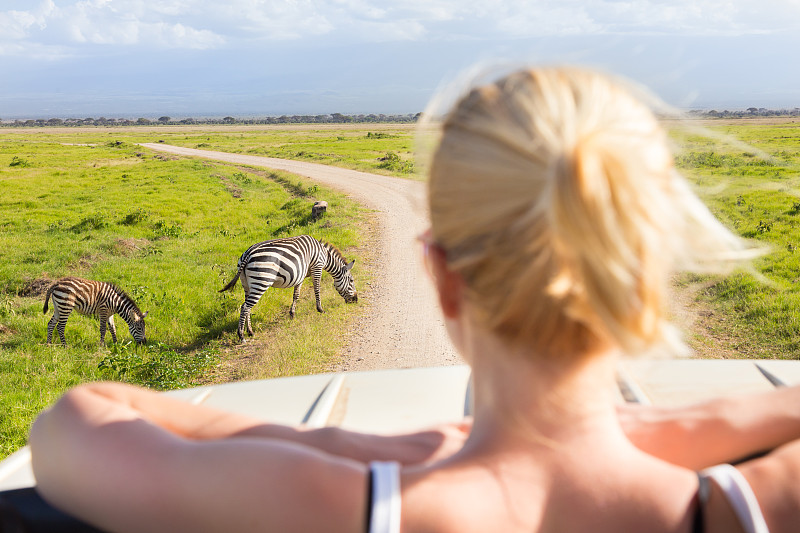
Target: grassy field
(168, 231)
(378, 148)
(754, 187)
(89, 202)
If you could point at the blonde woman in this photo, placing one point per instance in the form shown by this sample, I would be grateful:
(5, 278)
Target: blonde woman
(556, 219)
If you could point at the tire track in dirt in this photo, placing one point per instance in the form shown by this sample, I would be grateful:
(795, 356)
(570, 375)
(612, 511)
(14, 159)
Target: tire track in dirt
(402, 326)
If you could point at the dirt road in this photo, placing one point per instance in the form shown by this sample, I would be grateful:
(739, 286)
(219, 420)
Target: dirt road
(402, 327)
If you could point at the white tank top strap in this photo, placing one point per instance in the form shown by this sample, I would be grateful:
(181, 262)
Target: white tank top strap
(740, 496)
(385, 484)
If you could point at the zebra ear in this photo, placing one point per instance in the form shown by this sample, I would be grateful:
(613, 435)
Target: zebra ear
(350, 265)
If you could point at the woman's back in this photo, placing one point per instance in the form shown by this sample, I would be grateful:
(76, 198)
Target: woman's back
(567, 466)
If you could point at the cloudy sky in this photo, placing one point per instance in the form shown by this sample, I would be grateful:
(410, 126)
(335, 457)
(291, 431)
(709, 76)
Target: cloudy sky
(132, 58)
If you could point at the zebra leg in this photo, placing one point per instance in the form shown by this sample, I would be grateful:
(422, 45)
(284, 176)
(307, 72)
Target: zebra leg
(62, 323)
(295, 297)
(112, 328)
(316, 277)
(244, 316)
(103, 323)
(244, 321)
(51, 325)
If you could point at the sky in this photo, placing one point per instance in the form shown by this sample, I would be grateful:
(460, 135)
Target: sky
(245, 58)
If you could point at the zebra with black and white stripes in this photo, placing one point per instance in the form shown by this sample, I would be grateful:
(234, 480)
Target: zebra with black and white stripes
(92, 298)
(284, 263)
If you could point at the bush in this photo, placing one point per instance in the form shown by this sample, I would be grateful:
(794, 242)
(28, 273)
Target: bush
(96, 221)
(157, 366)
(392, 161)
(135, 217)
(165, 229)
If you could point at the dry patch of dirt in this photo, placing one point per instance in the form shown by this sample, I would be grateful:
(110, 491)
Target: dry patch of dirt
(83, 263)
(231, 187)
(702, 327)
(235, 362)
(126, 247)
(36, 287)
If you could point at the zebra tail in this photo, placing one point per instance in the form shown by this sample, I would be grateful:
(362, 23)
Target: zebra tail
(47, 297)
(232, 282)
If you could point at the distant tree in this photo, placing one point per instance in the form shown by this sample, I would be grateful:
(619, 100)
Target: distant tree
(142, 121)
(229, 120)
(164, 120)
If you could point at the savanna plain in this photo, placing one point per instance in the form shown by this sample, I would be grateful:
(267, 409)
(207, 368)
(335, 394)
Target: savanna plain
(91, 202)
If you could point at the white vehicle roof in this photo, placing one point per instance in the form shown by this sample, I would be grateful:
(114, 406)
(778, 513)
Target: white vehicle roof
(396, 401)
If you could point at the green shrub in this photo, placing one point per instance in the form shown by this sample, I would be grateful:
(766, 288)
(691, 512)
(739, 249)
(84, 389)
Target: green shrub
(135, 217)
(165, 229)
(156, 366)
(393, 162)
(96, 221)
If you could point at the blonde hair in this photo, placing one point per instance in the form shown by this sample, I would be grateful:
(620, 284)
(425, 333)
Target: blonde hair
(553, 193)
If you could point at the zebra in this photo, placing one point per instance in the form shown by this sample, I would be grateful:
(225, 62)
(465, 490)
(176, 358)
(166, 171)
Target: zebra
(92, 298)
(284, 263)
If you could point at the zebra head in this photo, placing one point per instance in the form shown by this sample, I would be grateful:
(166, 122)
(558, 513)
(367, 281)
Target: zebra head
(136, 327)
(344, 283)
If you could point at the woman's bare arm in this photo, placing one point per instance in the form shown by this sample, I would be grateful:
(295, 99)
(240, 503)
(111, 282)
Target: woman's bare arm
(105, 462)
(723, 430)
(198, 422)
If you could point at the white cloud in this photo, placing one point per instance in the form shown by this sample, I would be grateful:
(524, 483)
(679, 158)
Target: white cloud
(16, 24)
(207, 24)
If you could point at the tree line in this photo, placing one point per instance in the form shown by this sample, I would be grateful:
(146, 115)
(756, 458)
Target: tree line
(747, 113)
(333, 118)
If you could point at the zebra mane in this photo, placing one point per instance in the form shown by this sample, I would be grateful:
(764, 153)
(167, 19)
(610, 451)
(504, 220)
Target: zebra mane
(334, 250)
(124, 295)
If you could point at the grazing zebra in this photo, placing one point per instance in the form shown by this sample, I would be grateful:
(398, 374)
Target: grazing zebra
(284, 263)
(92, 298)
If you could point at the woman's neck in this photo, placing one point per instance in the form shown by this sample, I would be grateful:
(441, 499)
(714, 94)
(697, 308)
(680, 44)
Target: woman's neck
(535, 400)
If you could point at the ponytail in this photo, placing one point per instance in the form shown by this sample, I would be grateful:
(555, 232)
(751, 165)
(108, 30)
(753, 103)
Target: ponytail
(554, 194)
(608, 237)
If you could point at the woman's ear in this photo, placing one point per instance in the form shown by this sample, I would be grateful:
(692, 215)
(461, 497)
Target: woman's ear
(449, 284)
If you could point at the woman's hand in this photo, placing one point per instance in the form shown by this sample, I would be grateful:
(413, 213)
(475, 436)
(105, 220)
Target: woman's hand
(434, 444)
(420, 447)
(722, 430)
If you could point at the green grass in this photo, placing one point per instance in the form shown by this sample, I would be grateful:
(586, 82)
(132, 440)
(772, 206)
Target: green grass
(89, 202)
(169, 232)
(384, 151)
(754, 187)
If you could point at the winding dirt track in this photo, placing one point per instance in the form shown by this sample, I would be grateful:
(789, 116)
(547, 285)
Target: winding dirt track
(402, 326)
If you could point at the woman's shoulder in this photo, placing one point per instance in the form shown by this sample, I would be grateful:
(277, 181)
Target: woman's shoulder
(773, 481)
(512, 497)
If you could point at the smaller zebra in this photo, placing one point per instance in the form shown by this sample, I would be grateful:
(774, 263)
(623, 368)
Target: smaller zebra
(92, 298)
(284, 263)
